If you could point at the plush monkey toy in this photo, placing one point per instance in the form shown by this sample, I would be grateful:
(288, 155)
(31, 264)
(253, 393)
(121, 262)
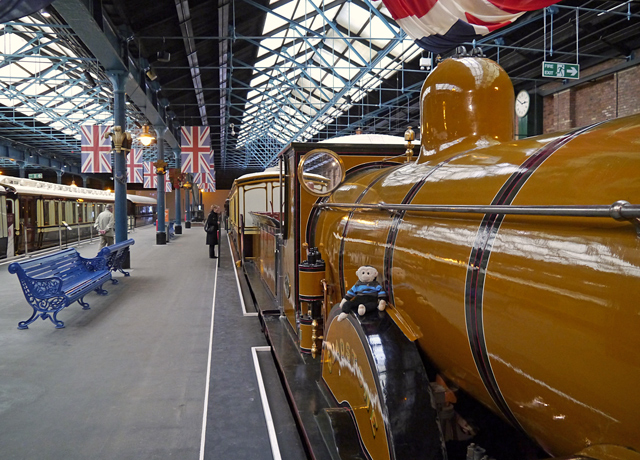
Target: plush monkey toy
(366, 295)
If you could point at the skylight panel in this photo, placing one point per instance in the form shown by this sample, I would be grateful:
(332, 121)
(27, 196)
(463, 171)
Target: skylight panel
(380, 33)
(303, 9)
(13, 73)
(9, 102)
(316, 73)
(357, 18)
(258, 80)
(43, 118)
(267, 62)
(12, 43)
(345, 70)
(272, 23)
(363, 48)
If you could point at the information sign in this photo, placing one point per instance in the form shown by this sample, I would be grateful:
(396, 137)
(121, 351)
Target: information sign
(560, 70)
(35, 176)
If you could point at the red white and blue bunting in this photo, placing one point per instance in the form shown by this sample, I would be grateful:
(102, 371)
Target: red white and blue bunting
(439, 25)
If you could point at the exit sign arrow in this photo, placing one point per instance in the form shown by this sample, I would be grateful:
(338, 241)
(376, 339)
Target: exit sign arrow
(560, 70)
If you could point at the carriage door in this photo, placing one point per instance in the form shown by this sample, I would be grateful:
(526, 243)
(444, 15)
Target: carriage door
(28, 222)
(4, 236)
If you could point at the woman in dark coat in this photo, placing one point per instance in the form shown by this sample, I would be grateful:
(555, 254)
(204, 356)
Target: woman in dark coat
(211, 227)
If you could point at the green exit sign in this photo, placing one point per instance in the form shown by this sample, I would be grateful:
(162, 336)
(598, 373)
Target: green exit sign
(560, 70)
(35, 176)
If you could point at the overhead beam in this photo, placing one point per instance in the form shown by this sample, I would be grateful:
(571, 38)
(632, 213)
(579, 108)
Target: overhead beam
(105, 45)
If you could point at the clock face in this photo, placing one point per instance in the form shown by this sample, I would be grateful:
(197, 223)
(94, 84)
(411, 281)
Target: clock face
(522, 103)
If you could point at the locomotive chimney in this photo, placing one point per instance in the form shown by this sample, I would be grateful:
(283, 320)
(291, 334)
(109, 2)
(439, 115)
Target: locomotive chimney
(466, 102)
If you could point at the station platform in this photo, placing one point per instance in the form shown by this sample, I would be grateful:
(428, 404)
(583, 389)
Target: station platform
(169, 364)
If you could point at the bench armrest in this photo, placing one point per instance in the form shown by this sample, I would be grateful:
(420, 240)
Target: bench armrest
(94, 264)
(40, 288)
(36, 287)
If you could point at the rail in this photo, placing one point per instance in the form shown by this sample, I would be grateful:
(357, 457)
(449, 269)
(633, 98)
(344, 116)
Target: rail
(620, 210)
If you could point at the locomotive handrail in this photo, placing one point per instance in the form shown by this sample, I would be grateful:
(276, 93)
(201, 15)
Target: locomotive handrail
(620, 210)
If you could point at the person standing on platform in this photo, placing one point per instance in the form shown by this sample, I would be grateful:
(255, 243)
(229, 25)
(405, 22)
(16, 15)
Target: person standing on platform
(211, 227)
(105, 224)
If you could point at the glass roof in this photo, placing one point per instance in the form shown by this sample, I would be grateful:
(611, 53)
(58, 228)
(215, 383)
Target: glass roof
(50, 86)
(317, 59)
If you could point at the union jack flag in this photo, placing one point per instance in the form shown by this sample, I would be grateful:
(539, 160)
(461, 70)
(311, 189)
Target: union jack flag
(206, 176)
(135, 168)
(151, 177)
(206, 187)
(440, 25)
(95, 149)
(196, 147)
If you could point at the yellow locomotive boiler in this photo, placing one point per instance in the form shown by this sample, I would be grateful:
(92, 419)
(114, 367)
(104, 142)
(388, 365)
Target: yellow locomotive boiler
(512, 270)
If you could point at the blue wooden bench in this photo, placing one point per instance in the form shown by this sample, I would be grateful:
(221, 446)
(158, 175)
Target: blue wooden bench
(53, 282)
(115, 255)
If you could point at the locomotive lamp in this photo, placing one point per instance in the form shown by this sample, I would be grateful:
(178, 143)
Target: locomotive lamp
(409, 135)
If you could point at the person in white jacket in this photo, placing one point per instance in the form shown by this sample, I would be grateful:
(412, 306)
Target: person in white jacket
(105, 224)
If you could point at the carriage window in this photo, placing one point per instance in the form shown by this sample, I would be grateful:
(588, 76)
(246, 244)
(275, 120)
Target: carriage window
(3, 217)
(46, 215)
(80, 212)
(55, 212)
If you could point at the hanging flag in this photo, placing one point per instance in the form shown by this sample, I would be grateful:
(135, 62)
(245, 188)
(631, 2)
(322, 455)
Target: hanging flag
(206, 187)
(95, 149)
(206, 176)
(196, 146)
(439, 25)
(151, 177)
(149, 174)
(135, 168)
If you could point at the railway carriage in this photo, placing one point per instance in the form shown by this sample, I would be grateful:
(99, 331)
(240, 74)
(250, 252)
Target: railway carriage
(38, 215)
(512, 270)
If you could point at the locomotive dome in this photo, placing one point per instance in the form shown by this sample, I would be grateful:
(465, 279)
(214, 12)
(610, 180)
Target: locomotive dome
(466, 102)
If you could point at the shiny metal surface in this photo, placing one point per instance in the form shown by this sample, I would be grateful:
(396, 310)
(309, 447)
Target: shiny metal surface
(618, 211)
(536, 316)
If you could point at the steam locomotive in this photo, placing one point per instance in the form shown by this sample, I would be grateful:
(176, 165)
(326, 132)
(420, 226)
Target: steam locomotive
(512, 270)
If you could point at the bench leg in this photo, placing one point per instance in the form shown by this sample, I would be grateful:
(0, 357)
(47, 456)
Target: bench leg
(45, 308)
(85, 305)
(101, 291)
(123, 272)
(114, 281)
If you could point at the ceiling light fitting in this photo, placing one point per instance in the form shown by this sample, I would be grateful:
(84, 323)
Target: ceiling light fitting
(146, 138)
(163, 56)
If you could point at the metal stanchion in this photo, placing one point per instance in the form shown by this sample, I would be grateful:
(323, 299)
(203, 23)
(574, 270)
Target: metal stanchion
(25, 235)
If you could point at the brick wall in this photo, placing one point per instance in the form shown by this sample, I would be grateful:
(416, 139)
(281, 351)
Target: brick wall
(611, 96)
(629, 91)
